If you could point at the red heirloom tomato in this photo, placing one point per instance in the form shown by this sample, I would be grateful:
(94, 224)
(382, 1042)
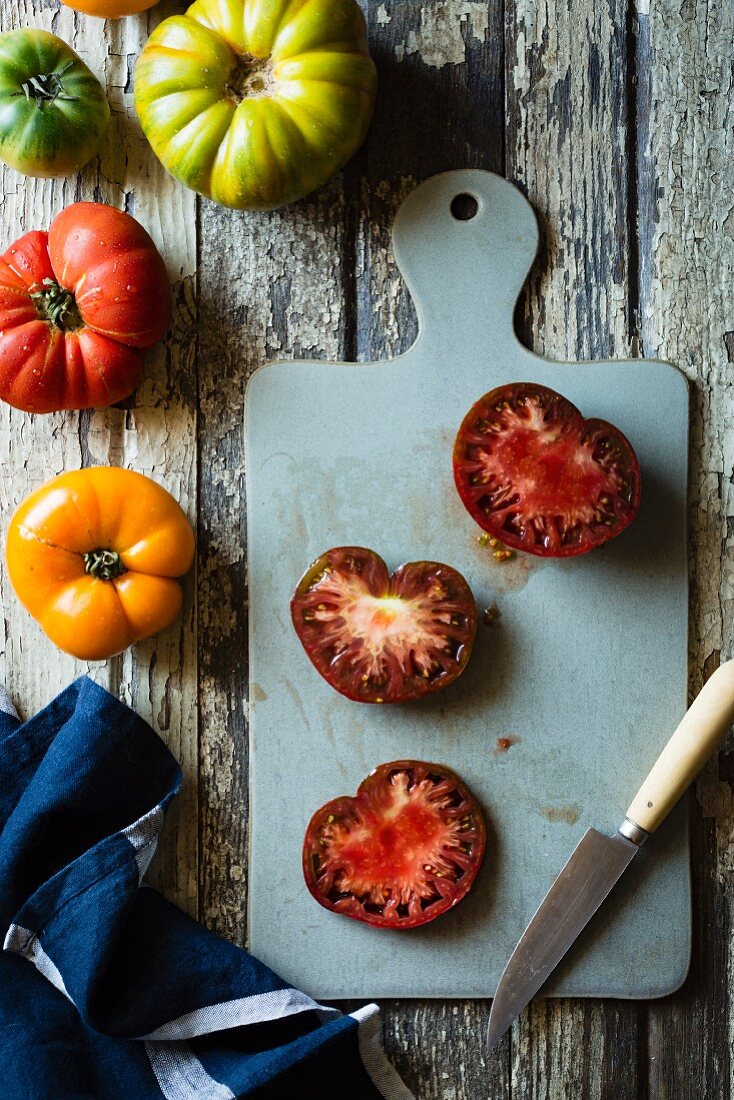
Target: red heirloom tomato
(378, 638)
(536, 475)
(78, 305)
(401, 853)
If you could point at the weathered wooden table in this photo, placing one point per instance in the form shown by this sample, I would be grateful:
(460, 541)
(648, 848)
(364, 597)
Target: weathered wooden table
(619, 129)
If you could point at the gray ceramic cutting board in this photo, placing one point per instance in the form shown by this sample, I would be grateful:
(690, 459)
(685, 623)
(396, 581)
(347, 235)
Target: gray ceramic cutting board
(586, 667)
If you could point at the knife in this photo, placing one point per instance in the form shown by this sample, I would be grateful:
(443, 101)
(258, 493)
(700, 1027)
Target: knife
(598, 861)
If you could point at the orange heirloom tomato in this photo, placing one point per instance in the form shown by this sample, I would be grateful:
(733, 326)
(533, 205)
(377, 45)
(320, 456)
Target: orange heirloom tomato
(93, 555)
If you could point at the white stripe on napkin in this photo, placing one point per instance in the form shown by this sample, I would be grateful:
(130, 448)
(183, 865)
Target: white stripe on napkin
(257, 1009)
(382, 1073)
(143, 835)
(181, 1076)
(22, 942)
(6, 707)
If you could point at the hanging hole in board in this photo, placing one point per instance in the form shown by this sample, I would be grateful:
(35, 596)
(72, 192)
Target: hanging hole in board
(464, 207)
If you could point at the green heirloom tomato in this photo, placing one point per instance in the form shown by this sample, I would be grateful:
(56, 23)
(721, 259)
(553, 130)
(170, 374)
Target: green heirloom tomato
(53, 111)
(256, 102)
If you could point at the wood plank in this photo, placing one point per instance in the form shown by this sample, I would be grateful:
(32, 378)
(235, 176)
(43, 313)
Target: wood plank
(566, 89)
(439, 107)
(271, 287)
(35, 448)
(686, 182)
(154, 434)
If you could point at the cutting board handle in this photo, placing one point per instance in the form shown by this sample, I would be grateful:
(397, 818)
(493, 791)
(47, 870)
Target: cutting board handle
(465, 273)
(702, 728)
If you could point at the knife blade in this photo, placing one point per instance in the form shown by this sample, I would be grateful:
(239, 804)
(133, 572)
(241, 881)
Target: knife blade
(599, 861)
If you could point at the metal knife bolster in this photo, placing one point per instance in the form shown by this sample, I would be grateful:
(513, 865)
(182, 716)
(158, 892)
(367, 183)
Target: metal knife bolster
(633, 832)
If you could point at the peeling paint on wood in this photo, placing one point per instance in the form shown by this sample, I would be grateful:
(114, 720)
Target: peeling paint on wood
(687, 309)
(155, 434)
(274, 287)
(444, 31)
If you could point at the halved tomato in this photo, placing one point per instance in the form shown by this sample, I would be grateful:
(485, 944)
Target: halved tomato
(378, 638)
(405, 850)
(536, 475)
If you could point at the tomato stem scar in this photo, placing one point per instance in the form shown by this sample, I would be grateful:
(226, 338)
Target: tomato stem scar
(249, 76)
(105, 565)
(56, 304)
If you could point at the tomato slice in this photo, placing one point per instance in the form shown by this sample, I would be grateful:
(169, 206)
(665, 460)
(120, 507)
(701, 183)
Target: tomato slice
(405, 850)
(539, 477)
(378, 638)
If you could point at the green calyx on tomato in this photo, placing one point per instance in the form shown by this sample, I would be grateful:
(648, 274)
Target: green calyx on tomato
(53, 110)
(44, 88)
(255, 103)
(105, 565)
(78, 307)
(56, 304)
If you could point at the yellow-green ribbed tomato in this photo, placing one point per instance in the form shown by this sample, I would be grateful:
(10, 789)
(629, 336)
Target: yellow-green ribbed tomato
(256, 102)
(53, 111)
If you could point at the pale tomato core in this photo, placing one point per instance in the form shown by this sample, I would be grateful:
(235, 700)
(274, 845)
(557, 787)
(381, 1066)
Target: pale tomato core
(407, 628)
(382, 638)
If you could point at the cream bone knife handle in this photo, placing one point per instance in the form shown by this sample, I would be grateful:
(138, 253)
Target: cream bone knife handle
(703, 726)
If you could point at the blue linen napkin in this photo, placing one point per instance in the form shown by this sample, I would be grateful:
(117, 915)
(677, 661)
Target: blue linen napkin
(106, 989)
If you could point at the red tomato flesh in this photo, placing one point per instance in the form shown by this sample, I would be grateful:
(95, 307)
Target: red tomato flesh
(405, 850)
(538, 476)
(378, 638)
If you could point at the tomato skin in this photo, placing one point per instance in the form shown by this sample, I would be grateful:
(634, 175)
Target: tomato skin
(377, 638)
(112, 274)
(113, 267)
(256, 103)
(54, 127)
(110, 9)
(84, 511)
(403, 851)
(538, 476)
